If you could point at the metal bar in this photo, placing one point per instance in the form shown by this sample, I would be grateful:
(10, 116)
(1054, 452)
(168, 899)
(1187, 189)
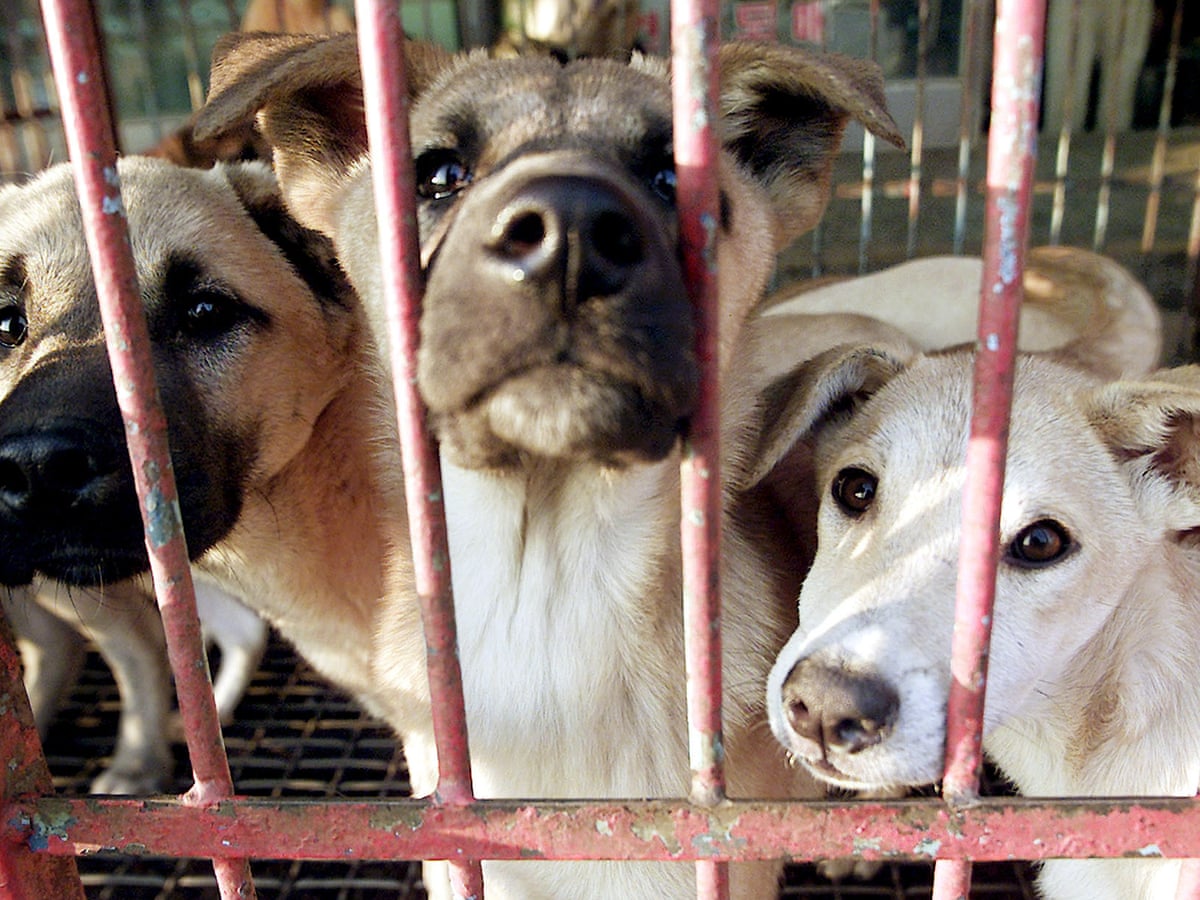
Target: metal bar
(916, 152)
(25, 874)
(385, 96)
(994, 829)
(1012, 149)
(695, 86)
(1108, 159)
(967, 125)
(868, 175)
(80, 84)
(1062, 159)
(1158, 163)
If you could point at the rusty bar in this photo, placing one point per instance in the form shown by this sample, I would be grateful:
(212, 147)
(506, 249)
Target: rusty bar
(694, 46)
(1158, 163)
(88, 127)
(695, 85)
(1011, 153)
(25, 874)
(994, 829)
(1012, 148)
(385, 96)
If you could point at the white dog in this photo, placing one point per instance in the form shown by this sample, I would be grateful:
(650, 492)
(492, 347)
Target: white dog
(1092, 689)
(52, 623)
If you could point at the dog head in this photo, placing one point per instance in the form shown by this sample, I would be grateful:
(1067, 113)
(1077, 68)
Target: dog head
(1099, 476)
(555, 323)
(250, 322)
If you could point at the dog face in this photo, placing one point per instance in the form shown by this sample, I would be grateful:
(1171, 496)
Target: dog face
(1098, 476)
(249, 319)
(555, 323)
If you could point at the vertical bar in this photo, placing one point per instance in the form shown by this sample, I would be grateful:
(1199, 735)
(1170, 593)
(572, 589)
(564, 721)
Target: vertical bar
(385, 96)
(25, 874)
(967, 125)
(1108, 160)
(1012, 150)
(918, 131)
(1063, 157)
(80, 84)
(695, 83)
(1158, 164)
(868, 176)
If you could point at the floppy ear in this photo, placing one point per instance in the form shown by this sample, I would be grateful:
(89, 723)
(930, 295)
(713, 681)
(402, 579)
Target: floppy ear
(307, 90)
(310, 253)
(820, 391)
(783, 111)
(1152, 428)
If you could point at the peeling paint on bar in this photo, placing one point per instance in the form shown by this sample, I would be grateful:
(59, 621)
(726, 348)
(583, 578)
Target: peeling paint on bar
(992, 830)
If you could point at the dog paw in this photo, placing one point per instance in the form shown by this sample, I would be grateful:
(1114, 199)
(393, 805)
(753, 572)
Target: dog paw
(139, 781)
(841, 869)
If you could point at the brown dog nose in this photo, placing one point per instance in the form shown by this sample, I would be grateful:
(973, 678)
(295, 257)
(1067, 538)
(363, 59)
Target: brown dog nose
(836, 708)
(573, 237)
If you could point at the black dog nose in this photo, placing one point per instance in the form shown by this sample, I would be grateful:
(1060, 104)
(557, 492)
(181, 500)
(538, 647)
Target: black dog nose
(572, 236)
(836, 708)
(45, 468)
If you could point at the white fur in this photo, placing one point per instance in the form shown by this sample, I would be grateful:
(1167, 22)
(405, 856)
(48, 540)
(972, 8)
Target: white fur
(1092, 688)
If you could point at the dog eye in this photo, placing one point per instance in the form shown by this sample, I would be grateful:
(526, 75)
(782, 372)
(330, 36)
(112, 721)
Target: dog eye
(854, 490)
(1039, 544)
(441, 173)
(663, 184)
(210, 314)
(13, 326)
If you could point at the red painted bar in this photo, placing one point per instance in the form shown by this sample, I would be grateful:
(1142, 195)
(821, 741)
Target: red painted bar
(385, 95)
(695, 86)
(995, 829)
(24, 874)
(79, 81)
(1012, 147)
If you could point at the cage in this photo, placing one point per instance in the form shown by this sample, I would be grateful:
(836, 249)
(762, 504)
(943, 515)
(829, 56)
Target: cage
(1133, 194)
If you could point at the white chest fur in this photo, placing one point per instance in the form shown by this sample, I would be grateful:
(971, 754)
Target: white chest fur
(569, 635)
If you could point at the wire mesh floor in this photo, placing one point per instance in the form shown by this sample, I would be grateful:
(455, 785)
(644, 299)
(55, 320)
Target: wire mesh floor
(296, 737)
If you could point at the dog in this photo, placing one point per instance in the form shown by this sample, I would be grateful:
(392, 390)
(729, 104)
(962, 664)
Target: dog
(52, 623)
(1090, 687)
(273, 393)
(557, 366)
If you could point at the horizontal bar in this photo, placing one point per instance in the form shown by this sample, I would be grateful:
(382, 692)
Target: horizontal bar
(995, 829)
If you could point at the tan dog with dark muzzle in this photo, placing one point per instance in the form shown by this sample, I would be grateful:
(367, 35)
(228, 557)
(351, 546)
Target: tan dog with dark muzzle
(272, 393)
(557, 364)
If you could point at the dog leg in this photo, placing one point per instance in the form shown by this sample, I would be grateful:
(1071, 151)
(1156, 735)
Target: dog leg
(52, 654)
(241, 636)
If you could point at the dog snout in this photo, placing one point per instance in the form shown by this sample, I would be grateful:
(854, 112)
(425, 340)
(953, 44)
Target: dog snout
(573, 236)
(838, 709)
(48, 470)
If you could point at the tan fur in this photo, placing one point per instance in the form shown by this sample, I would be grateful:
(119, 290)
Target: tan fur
(563, 513)
(287, 405)
(1090, 687)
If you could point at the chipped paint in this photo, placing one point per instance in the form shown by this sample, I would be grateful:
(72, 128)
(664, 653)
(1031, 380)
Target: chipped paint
(928, 847)
(52, 820)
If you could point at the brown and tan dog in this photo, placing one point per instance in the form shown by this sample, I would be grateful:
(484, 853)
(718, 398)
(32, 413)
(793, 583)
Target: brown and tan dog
(272, 394)
(556, 361)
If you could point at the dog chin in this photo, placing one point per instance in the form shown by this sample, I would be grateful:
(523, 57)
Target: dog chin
(551, 413)
(76, 567)
(877, 779)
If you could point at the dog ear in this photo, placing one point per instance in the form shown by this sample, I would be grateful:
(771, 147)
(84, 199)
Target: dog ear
(1152, 428)
(310, 253)
(820, 391)
(307, 92)
(783, 111)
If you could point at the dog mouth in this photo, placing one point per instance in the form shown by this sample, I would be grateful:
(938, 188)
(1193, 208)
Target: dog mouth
(75, 565)
(558, 411)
